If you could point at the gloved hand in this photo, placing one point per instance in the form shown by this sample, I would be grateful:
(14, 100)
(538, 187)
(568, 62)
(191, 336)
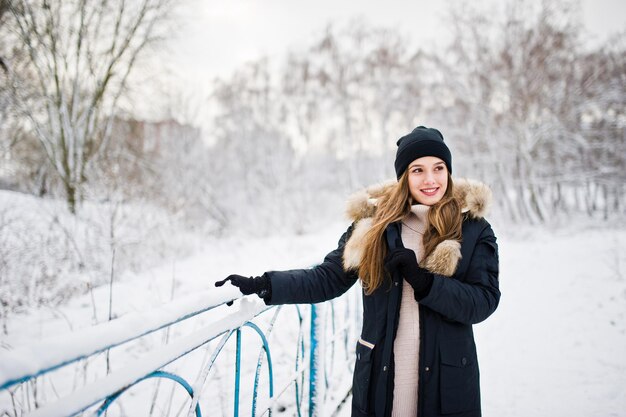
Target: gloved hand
(404, 261)
(250, 285)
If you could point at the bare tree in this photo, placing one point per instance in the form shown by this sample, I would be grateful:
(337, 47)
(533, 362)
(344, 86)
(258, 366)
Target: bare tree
(538, 111)
(4, 7)
(253, 154)
(5, 96)
(80, 54)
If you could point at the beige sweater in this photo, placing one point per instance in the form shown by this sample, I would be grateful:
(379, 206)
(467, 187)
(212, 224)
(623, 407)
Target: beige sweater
(407, 343)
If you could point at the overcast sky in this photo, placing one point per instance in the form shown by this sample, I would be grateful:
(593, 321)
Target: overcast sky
(216, 37)
(221, 35)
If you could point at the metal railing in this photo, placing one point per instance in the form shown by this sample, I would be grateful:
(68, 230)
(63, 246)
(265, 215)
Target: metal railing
(323, 343)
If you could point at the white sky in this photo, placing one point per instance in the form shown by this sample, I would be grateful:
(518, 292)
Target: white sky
(216, 37)
(221, 35)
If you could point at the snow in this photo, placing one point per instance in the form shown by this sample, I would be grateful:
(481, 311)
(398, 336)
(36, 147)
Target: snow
(555, 346)
(132, 372)
(33, 358)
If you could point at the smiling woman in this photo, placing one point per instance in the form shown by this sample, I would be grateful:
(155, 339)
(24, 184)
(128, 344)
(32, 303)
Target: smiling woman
(428, 264)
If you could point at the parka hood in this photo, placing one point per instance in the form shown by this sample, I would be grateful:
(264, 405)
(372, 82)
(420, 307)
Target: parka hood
(475, 196)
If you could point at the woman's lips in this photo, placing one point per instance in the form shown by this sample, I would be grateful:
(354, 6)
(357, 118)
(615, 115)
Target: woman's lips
(430, 191)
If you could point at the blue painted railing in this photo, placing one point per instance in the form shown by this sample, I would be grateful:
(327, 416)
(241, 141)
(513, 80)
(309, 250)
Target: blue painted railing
(328, 348)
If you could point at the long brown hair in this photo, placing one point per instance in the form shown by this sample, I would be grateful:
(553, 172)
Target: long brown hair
(444, 222)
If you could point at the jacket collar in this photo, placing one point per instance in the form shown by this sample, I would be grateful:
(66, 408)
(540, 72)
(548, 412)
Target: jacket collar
(476, 200)
(475, 195)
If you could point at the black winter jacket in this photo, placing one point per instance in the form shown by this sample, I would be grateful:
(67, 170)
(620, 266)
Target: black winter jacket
(448, 367)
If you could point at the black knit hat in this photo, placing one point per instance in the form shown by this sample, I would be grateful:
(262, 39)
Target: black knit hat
(422, 141)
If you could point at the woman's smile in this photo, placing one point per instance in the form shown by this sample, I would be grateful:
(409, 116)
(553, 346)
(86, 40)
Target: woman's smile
(430, 191)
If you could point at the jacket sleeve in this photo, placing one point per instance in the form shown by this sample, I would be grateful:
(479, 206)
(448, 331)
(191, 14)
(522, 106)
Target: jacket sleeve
(320, 283)
(472, 299)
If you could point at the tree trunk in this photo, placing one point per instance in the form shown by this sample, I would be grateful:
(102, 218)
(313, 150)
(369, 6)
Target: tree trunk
(71, 196)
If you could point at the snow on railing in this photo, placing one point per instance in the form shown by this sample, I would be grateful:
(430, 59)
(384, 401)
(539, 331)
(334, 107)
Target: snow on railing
(31, 360)
(25, 364)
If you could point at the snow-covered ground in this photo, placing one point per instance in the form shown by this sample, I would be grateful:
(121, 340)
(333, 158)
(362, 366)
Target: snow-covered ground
(555, 346)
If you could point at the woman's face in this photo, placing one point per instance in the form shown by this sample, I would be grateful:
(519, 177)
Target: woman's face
(428, 179)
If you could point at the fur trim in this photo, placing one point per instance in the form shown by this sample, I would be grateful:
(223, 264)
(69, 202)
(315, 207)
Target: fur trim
(476, 195)
(476, 198)
(353, 252)
(362, 204)
(444, 259)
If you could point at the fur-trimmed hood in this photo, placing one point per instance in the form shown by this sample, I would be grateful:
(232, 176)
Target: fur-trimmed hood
(476, 200)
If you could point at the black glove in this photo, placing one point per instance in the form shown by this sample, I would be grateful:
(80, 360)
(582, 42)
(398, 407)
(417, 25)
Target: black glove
(404, 261)
(252, 285)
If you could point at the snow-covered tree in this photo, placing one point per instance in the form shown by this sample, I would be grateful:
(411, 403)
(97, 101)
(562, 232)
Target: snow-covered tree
(78, 55)
(521, 95)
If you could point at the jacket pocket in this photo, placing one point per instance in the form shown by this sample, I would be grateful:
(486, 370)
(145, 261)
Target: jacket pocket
(361, 379)
(459, 379)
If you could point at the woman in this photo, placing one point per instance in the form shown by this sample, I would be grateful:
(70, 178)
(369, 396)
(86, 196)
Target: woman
(428, 265)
